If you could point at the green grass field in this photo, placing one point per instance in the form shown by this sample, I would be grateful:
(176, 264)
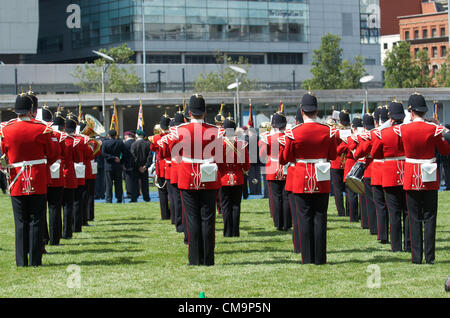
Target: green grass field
(130, 252)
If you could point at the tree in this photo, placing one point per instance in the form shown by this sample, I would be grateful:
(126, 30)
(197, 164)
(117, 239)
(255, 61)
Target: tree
(330, 71)
(326, 63)
(219, 81)
(423, 78)
(352, 73)
(443, 75)
(117, 79)
(401, 70)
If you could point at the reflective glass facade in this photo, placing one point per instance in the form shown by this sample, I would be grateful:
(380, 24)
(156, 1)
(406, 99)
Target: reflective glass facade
(106, 21)
(370, 21)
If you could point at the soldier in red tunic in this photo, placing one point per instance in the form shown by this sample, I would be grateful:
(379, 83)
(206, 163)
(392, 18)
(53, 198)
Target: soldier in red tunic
(56, 182)
(200, 147)
(276, 173)
(337, 165)
(236, 164)
(156, 146)
(421, 182)
(311, 146)
(28, 147)
(388, 145)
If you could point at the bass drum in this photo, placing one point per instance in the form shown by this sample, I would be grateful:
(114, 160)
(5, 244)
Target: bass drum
(355, 176)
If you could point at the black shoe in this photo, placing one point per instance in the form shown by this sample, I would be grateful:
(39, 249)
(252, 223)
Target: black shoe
(384, 242)
(430, 262)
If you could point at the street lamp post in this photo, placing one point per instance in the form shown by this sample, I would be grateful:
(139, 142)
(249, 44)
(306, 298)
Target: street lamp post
(364, 80)
(144, 78)
(104, 68)
(236, 85)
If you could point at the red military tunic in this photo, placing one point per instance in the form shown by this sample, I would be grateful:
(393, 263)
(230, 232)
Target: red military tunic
(85, 154)
(349, 144)
(376, 166)
(420, 139)
(28, 140)
(270, 148)
(341, 139)
(196, 143)
(157, 147)
(165, 143)
(58, 182)
(308, 145)
(236, 162)
(388, 145)
(70, 157)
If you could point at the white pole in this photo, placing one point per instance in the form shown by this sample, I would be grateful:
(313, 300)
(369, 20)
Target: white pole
(143, 48)
(103, 96)
(238, 118)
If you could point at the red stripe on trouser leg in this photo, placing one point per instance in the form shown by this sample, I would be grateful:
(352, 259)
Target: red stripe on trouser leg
(186, 223)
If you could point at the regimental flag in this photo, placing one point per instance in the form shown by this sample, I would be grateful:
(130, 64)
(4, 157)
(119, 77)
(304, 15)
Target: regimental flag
(114, 120)
(250, 115)
(281, 106)
(140, 121)
(435, 113)
(80, 113)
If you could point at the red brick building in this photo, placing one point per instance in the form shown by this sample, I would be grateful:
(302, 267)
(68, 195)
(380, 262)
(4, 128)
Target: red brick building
(427, 31)
(390, 10)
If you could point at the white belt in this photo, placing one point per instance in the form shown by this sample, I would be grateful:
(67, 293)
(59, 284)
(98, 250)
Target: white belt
(420, 161)
(28, 163)
(167, 160)
(193, 160)
(273, 159)
(394, 158)
(378, 160)
(311, 160)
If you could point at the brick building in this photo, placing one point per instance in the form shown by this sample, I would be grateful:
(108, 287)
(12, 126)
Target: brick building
(427, 31)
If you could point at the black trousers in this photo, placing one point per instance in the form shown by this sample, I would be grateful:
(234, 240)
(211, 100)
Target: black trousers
(245, 186)
(266, 187)
(199, 207)
(90, 193)
(422, 210)
(184, 219)
(3, 182)
(337, 177)
(230, 198)
(370, 207)
(54, 201)
(68, 212)
(171, 198)
(396, 205)
(143, 183)
(78, 209)
(163, 199)
(382, 213)
(282, 218)
(114, 177)
(311, 210)
(100, 188)
(29, 214)
(352, 200)
(254, 179)
(295, 223)
(175, 206)
(132, 184)
(363, 211)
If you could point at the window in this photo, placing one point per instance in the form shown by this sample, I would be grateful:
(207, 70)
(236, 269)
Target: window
(433, 33)
(285, 58)
(416, 52)
(385, 46)
(406, 35)
(435, 69)
(416, 34)
(434, 52)
(443, 51)
(442, 31)
(425, 34)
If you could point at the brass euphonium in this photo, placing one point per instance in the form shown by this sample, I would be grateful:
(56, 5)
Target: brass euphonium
(156, 131)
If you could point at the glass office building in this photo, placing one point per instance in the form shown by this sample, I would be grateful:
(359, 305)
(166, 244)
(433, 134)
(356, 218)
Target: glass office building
(190, 31)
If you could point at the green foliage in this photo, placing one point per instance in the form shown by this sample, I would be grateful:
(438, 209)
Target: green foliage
(219, 81)
(117, 79)
(403, 71)
(330, 71)
(443, 75)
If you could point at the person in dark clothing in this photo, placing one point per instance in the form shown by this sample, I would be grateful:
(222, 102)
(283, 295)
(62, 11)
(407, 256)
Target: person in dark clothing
(129, 167)
(100, 181)
(112, 150)
(143, 157)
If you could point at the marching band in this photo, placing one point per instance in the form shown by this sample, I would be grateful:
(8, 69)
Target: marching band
(382, 169)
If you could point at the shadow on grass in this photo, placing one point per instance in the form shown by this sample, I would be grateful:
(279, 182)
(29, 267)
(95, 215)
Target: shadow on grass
(122, 224)
(97, 251)
(265, 262)
(248, 241)
(261, 250)
(270, 233)
(100, 262)
(126, 218)
(104, 243)
(374, 260)
(123, 230)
